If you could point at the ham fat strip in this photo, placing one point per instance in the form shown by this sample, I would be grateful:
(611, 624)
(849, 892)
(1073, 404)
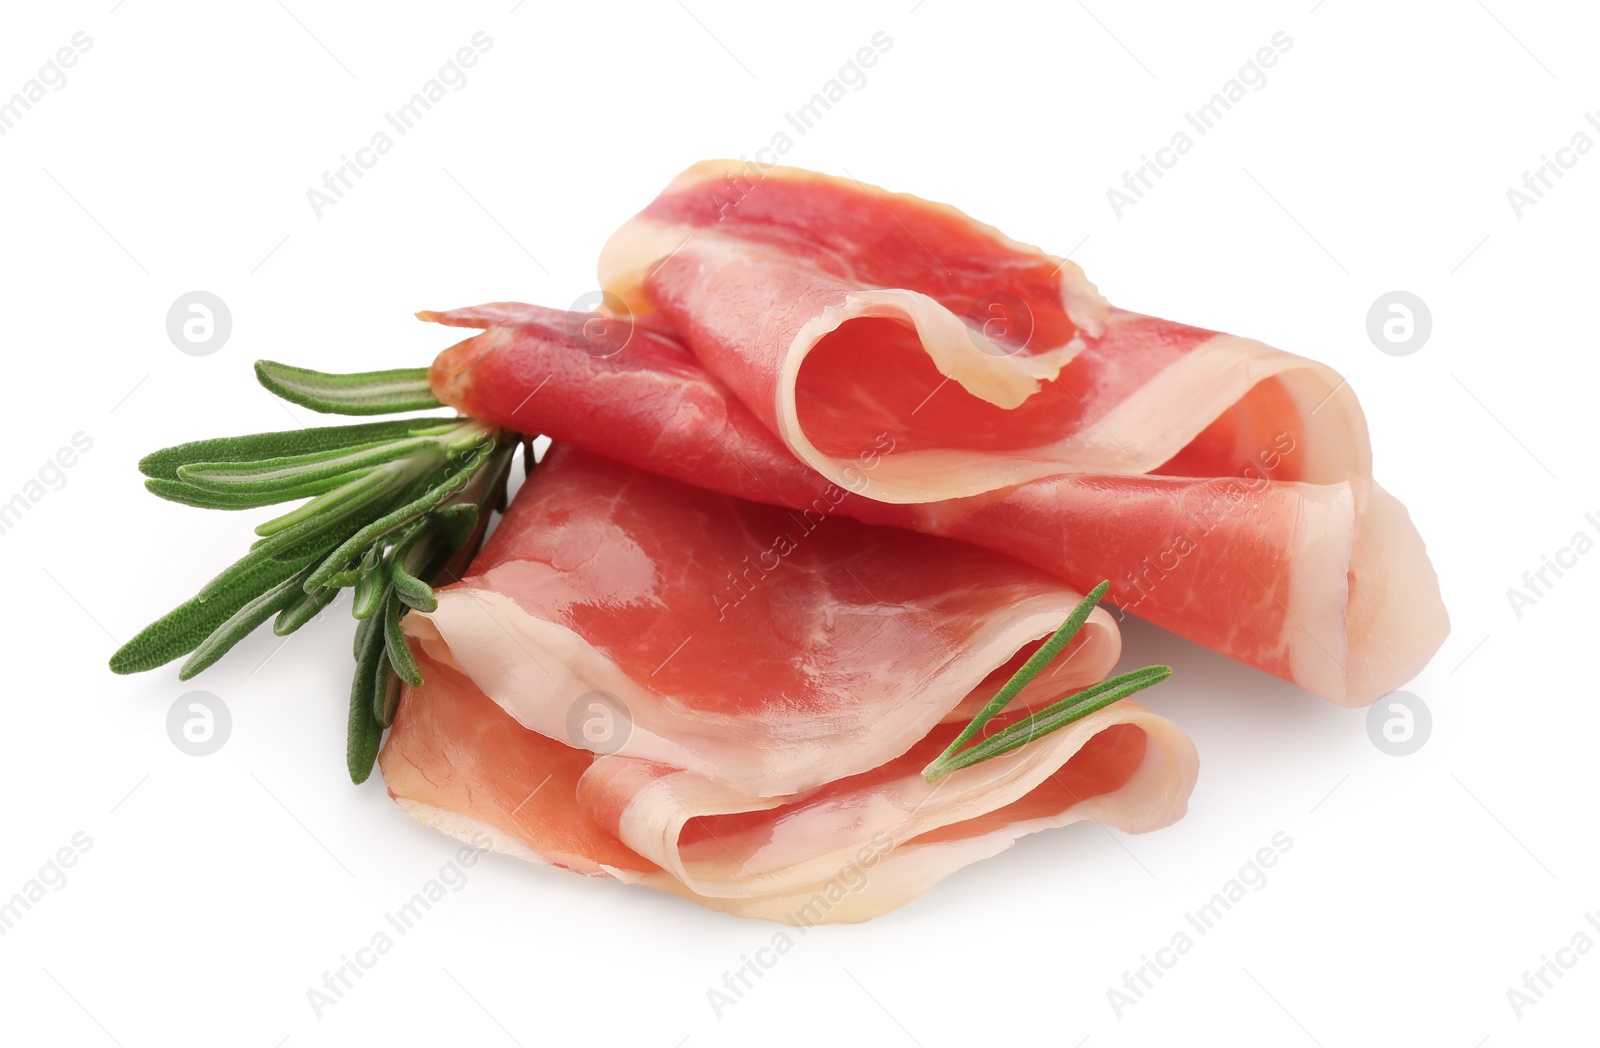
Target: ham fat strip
(1284, 575)
(764, 738)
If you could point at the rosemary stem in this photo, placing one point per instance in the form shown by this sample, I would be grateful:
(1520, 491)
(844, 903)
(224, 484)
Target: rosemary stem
(1051, 718)
(1031, 669)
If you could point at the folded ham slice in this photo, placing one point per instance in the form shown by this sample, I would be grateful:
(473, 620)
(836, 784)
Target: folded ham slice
(842, 315)
(837, 312)
(1325, 584)
(770, 685)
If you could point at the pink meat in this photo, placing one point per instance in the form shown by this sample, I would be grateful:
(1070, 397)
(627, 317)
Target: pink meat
(1322, 583)
(836, 312)
(767, 687)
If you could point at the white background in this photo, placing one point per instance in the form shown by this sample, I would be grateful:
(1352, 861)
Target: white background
(218, 890)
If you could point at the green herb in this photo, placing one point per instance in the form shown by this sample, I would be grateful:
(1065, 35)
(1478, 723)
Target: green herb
(361, 393)
(1051, 718)
(392, 506)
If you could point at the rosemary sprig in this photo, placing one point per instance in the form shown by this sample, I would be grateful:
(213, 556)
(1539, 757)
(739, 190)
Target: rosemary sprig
(1051, 718)
(392, 505)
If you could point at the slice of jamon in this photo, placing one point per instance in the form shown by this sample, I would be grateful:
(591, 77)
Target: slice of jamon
(749, 644)
(767, 689)
(459, 763)
(1292, 577)
(1124, 767)
(838, 312)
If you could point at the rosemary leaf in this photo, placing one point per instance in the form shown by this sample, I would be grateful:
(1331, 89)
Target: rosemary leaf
(189, 495)
(369, 583)
(163, 464)
(303, 610)
(185, 627)
(400, 657)
(360, 393)
(412, 591)
(342, 500)
(399, 518)
(298, 549)
(243, 622)
(409, 498)
(343, 579)
(455, 524)
(372, 669)
(386, 696)
(299, 471)
(409, 553)
(232, 468)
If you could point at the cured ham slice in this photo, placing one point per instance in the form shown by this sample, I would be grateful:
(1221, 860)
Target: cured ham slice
(1324, 584)
(773, 683)
(837, 312)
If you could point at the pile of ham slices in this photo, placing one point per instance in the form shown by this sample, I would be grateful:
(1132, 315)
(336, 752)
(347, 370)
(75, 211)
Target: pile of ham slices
(827, 467)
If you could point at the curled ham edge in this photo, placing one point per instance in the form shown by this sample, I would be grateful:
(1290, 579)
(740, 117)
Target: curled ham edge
(864, 878)
(491, 639)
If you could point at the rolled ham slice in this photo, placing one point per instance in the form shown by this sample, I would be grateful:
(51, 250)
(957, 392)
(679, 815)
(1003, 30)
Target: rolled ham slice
(771, 686)
(1324, 584)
